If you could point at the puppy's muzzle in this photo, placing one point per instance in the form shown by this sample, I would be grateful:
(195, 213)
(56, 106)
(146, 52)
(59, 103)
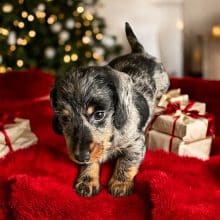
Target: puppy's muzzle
(82, 157)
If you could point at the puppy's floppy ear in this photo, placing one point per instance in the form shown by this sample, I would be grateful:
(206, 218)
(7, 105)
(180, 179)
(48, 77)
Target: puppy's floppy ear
(123, 86)
(55, 123)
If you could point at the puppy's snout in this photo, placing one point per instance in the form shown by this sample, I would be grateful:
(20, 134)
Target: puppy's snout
(82, 157)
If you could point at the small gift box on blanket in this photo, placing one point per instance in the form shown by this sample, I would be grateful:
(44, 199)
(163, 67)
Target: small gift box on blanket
(15, 134)
(183, 128)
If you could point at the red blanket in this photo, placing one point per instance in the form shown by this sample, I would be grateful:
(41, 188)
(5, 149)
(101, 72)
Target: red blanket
(36, 183)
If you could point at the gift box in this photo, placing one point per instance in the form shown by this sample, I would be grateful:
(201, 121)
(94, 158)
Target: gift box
(173, 96)
(156, 140)
(187, 124)
(15, 134)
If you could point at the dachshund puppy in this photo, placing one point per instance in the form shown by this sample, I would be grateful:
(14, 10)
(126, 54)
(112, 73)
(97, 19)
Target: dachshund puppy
(102, 111)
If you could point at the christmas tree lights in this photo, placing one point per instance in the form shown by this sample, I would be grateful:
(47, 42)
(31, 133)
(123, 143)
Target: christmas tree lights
(52, 35)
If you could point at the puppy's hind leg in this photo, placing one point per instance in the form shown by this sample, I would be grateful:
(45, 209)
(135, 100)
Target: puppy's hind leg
(87, 184)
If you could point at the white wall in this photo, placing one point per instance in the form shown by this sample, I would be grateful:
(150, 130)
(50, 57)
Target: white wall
(200, 16)
(154, 22)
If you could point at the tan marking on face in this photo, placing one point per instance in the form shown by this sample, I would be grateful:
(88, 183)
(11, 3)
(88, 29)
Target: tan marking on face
(66, 112)
(90, 110)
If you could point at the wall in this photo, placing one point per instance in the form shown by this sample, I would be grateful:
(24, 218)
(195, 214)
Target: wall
(155, 24)
(199, 17)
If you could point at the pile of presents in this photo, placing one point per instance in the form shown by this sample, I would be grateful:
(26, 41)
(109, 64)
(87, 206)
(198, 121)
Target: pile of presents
(181, 126)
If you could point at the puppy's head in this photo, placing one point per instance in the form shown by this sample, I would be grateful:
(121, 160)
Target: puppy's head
(89, 103)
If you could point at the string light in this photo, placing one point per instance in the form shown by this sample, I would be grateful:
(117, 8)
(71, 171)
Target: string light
(88, 33)
(96, 56)
(7, 8)
(216, 31)
(12, 48)
(78, 25)
(89, 16)
(78, 43)
(96, 30)
(24, 14)
(15, 22)
(30, 18)
(88, 54)
(99, 36)
(67, 48)
(2, 69)
(75, 13)
(20, 63)
(40, 14)
(85, 40)
(80, 9)
(52, 19)
(74, 57)
(21, 24)
(32, 33)
(20, 2)
(66, 58)
(4, 31)
(61, 16)
(86, 23)
(22, 41)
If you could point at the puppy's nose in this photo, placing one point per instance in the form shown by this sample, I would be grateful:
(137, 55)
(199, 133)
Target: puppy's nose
(82, 157)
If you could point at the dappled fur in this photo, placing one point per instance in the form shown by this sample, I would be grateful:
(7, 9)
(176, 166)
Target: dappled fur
(123, 94)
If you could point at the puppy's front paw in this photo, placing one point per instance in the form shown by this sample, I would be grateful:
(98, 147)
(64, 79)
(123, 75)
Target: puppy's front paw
(87, 186)
(118, 188)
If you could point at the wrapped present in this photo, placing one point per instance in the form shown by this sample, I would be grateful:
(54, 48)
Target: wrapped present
(187, 124)
(156, 140)
(173, 96)
(15, 134)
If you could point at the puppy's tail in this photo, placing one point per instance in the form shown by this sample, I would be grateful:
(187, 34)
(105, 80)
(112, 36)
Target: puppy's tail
(136, 47)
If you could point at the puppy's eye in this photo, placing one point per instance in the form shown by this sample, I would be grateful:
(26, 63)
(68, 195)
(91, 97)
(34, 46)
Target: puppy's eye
(99, 115)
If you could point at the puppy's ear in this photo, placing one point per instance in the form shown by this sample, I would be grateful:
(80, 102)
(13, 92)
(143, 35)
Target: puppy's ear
(55, 123)
(123, 86)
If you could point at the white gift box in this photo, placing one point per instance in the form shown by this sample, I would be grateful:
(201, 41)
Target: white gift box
(20, 136)
(156, 140)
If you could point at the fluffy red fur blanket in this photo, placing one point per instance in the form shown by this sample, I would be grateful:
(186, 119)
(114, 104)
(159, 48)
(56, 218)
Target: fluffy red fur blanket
(36, 183)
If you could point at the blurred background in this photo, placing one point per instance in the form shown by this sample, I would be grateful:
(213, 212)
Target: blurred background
(54, 35)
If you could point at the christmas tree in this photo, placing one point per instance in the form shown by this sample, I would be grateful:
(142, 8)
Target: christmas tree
(52, 35)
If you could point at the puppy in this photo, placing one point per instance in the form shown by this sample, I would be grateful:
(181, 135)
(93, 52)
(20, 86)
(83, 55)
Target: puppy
(102, 111)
